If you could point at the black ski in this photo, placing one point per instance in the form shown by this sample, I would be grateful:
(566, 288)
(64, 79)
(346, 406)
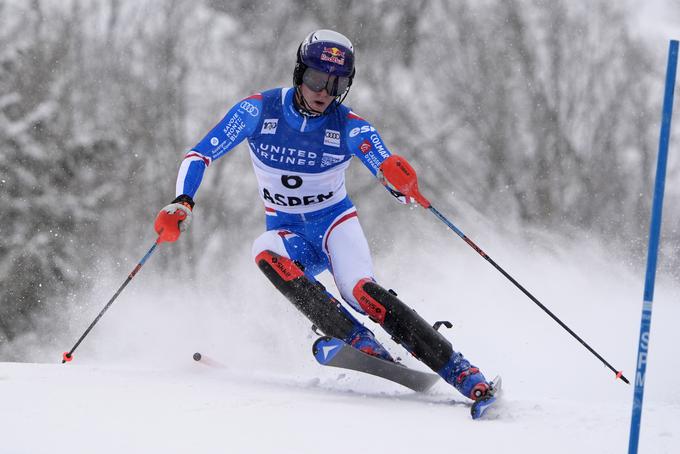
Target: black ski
(330, 351)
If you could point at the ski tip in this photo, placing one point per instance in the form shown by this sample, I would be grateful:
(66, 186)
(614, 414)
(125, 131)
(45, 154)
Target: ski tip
(325, 348)
(479, 407)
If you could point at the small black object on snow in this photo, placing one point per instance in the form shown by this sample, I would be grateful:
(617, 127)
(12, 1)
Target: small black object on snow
(197, 356)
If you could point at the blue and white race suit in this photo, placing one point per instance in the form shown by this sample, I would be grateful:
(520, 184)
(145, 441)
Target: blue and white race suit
(300, 165)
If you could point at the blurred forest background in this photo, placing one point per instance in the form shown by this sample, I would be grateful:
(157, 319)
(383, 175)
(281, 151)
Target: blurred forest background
(542, 114)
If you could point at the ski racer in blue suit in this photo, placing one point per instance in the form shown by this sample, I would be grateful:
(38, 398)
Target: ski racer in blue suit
(302, 139)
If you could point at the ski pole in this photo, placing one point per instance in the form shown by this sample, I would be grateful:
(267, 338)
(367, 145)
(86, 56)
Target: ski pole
(398, 170)
(619, 374)
(68, 356)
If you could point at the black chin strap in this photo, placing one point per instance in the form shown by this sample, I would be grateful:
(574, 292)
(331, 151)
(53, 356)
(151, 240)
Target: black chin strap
(303, 106)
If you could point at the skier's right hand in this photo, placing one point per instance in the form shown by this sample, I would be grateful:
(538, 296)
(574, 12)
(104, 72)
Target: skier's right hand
(174, 219)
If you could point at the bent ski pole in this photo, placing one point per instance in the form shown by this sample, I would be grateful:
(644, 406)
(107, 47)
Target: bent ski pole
(403, 177)
(68, 356)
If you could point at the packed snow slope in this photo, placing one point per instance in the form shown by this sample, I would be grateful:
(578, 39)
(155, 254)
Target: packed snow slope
(133, 386)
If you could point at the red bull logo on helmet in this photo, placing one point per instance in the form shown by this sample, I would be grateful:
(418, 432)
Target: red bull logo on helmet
(333, 55)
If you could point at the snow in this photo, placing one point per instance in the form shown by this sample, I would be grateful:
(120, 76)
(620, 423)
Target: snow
(134, 387)
(197, 408)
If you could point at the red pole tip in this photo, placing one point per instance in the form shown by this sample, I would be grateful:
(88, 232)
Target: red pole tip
(620, 375)
(67, 357)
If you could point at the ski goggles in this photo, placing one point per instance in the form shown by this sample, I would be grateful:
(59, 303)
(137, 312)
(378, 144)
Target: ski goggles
(317, 80)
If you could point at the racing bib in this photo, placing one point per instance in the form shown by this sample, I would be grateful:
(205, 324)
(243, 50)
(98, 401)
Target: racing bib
(296, 192)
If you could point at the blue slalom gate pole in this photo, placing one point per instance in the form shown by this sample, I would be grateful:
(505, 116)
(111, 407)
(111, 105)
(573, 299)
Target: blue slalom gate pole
(652, 252)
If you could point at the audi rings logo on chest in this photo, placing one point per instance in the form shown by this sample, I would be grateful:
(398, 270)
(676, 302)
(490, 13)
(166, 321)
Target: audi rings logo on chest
(332, 138)
(250, 108)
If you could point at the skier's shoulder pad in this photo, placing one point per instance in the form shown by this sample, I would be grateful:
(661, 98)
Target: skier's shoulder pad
(273, 94)
(251, 104)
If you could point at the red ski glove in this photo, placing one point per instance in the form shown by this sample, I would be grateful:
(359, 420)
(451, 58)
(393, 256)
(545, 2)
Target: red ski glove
(174, 219)
(401, 180)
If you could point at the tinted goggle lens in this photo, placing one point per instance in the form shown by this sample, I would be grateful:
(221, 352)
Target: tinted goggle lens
(318, 80)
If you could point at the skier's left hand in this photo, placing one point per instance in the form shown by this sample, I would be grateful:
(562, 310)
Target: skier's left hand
(397, 175)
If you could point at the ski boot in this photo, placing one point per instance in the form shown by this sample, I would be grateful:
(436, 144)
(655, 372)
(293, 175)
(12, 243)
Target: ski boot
(364, 340)
(467, 379)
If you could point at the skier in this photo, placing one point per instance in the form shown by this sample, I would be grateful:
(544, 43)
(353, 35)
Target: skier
(301, 140)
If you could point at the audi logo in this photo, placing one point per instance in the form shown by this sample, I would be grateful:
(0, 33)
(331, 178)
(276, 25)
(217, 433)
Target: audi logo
(251, 109)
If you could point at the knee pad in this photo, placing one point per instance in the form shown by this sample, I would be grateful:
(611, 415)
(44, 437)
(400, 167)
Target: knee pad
(403, 324)
(347, 293)
(308, 296)
(371, 306)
